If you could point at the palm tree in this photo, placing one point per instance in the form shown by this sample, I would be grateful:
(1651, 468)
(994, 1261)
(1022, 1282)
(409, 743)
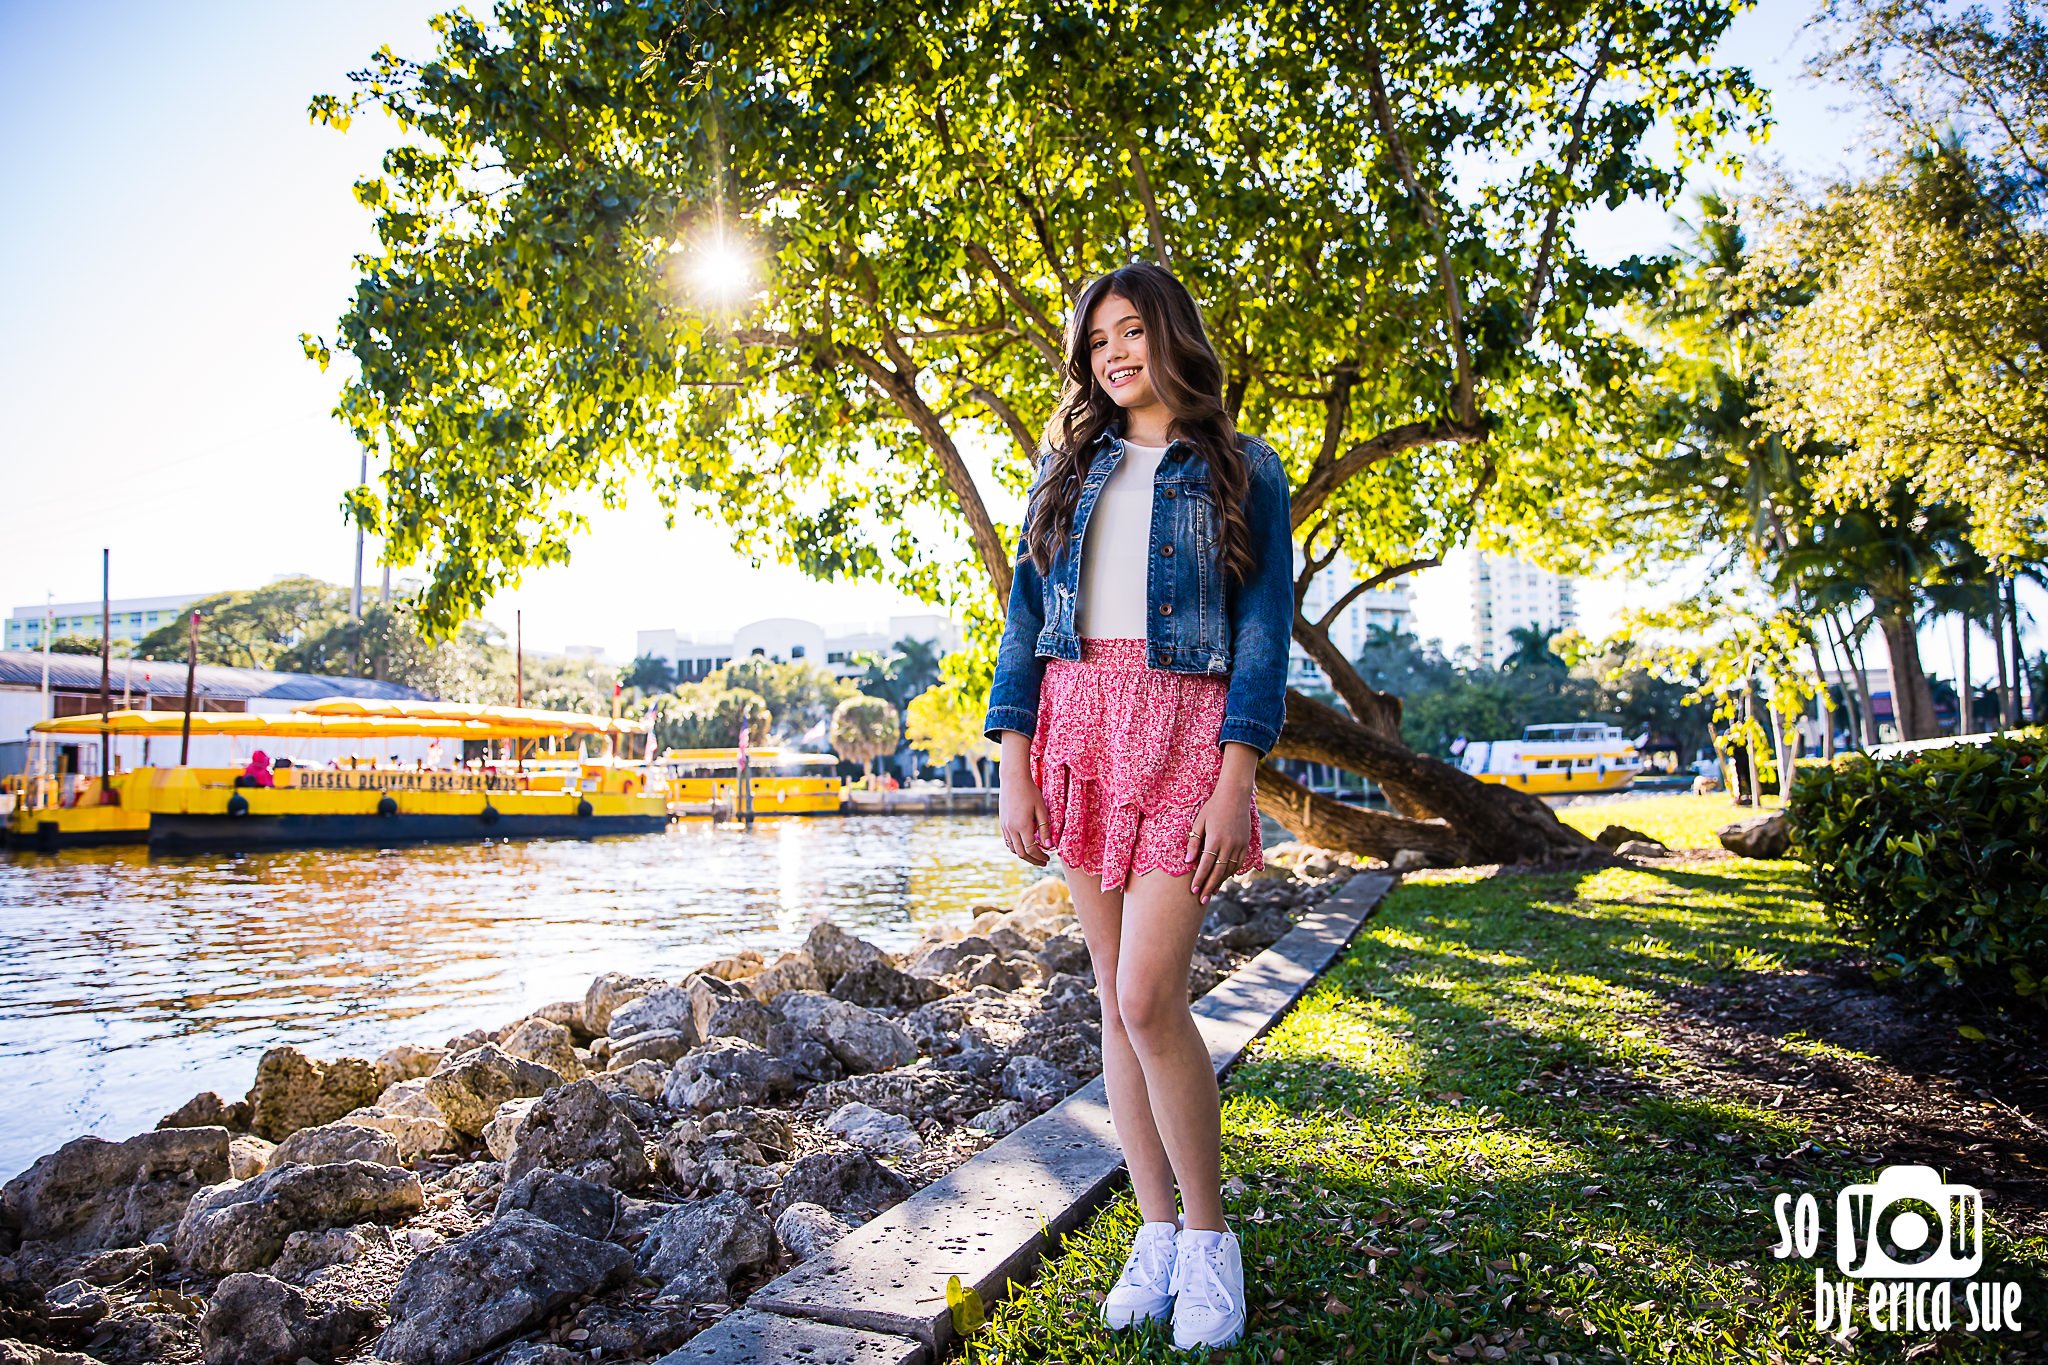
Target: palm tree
(1532, 651)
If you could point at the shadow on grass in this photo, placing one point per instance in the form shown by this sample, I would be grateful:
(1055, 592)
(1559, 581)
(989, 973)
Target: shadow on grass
(1463, 1144)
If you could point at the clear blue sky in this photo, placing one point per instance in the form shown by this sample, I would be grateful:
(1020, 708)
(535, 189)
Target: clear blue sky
(172, 222)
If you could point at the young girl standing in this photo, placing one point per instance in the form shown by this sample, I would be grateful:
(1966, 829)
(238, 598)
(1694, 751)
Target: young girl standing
(1141, 676)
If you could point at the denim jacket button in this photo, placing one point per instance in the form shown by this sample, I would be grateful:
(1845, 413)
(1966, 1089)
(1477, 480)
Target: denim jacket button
(1166, 608)
(1166, 549)
(1169, 492)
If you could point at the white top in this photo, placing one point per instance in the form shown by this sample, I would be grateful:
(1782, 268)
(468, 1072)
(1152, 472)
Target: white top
(1115, 556)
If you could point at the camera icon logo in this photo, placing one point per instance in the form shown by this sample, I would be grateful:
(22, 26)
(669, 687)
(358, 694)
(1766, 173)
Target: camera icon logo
(1909, 1225)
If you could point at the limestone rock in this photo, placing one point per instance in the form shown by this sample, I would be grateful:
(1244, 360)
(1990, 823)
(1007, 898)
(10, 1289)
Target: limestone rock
(807, 1229)
(642, 1078)
(339, 1141)
(469, 1088)
(846, 1180)
(735, 967)
(1043, 899)
(914, 1092)
(242, 1225)
(1614, 836)
(248, 1155)
(293, 1091)
(580, 1206)
(656, 1045)
(258, 1320)
(1760, 836)
(875, 1131)
(207, 1110)
(610, 991)
(834, 952)
(578, 1130)
(1036, 1082)
(793, 971)
(412, 1120)
(499, 1133)
(725, 1073)
(567, 1013)
(406, 1062)
(663, 1009)
(861, 1039)
(490, 1285)
(537, 1040)
(1000, 1120)
(312, 1250)
(879, 985)
(91, 1193)
(748, 1019)
(697, 1249)
(946, 958)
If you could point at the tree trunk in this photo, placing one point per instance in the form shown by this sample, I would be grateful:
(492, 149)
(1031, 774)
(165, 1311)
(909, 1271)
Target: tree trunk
(1334, 824)
(1912, 698)
(1824, 703)
(1963, 706)
(2019, 659)
(1491, 823)
(1853, 649)
(1376, 711)
(2005, 707)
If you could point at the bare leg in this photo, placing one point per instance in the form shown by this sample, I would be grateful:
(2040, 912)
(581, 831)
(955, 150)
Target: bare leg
(1101, 914)
(1162, 918)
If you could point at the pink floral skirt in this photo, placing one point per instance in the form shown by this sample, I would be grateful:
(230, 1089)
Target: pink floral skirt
(1126, 756)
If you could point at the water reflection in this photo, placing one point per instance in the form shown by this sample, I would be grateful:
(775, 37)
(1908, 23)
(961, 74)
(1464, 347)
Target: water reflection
(129, 981)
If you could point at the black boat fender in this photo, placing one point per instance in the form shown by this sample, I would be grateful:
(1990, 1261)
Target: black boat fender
(489, 814)
(387, 806)
(583, 807)
(238, 805)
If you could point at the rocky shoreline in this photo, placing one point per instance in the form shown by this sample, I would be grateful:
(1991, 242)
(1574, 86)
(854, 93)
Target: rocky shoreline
(598, 1180)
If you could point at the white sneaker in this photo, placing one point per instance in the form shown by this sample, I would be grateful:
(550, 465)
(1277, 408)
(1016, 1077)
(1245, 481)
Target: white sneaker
(1140, 1291)
(1207, 1285)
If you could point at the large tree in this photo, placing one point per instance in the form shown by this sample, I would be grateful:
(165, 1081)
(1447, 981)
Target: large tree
(805, 268)
(1920, 355)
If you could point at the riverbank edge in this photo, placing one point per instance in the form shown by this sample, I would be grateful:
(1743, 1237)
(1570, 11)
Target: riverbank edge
(878, 1296)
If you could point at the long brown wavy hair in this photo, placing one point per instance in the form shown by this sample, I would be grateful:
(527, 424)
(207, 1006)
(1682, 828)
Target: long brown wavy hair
(1188, 378)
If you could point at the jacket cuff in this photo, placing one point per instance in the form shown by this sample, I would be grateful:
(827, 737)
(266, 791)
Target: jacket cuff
(1001, 718)
(1237, 729)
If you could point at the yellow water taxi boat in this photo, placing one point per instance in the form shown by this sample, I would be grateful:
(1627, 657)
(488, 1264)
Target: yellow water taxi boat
(1548, 760)
(779, 781)
(553, 793)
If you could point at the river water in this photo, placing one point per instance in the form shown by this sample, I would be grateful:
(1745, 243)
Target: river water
(130, 981)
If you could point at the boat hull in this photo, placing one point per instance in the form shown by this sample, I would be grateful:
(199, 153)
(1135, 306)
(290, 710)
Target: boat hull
(76, 827)
(175, 833)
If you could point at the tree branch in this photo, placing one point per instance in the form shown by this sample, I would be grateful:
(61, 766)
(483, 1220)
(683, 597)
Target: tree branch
(1454, 303)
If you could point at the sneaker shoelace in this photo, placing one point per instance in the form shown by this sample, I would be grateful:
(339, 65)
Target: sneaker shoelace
(1149, 1261)
(1198, 1277)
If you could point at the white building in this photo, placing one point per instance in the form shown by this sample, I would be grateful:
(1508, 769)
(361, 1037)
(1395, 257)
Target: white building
(786, 639)
(1508, 593)
(132, 618)
(1387, 607)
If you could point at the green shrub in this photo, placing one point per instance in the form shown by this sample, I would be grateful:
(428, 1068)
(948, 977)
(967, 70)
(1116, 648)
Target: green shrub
(1938, 860)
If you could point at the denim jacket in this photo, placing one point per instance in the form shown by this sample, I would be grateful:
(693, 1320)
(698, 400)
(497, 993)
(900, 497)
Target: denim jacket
(1195, 622)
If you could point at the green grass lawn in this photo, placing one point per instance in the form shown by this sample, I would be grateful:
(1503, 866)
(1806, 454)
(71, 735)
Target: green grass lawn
(1466, 1143)
(1677, 821)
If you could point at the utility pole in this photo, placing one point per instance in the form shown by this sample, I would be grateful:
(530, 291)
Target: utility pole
(191, 689)
(49, 629)
(355, 597)
(519, 681)
(106, 663)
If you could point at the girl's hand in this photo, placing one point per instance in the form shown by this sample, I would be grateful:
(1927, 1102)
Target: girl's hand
(1222, 832)
(1020, 806)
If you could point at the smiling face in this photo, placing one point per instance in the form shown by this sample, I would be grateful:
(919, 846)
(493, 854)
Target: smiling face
(1116, 353)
